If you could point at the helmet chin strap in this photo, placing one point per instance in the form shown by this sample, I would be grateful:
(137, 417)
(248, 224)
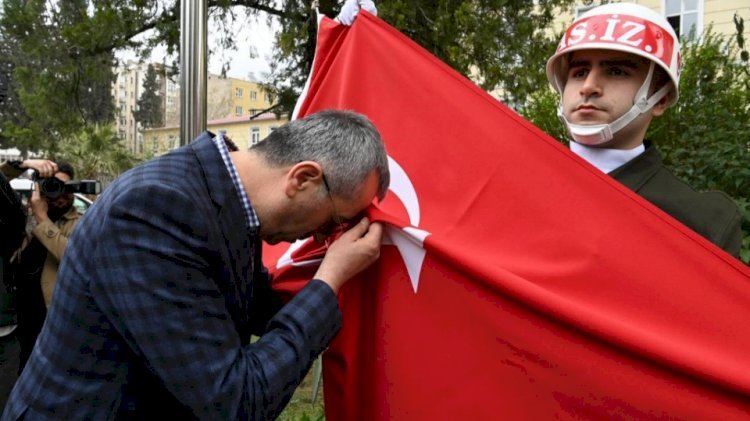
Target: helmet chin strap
(596, 134)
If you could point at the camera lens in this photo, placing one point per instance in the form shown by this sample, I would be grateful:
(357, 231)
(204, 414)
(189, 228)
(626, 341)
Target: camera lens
(52, 187)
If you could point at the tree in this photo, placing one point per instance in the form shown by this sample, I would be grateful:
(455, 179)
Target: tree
(704, 137)
(95, 152)
(12, 115)
(504, 42)
(150, 112)
(499, 40)
(57, 87)
(5, 71)
(739, 23)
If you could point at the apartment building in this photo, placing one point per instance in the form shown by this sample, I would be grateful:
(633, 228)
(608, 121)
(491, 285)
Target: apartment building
(227, 98)
(243, 130)
(232, 97)
(126, 91)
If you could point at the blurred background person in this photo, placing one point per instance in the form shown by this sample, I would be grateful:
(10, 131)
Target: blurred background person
(36, 262)
(13, 217)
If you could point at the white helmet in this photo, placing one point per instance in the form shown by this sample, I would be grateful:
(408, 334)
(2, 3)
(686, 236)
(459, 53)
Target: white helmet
(624, 27)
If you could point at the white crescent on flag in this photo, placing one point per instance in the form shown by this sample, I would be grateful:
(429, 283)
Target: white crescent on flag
(409, 240)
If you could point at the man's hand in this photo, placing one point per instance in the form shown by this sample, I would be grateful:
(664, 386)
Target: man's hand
(350, 9)
(44, 167)
(38, 205)
(355, 250)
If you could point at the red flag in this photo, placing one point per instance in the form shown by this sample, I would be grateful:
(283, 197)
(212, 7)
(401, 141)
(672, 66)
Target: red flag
(517, 281)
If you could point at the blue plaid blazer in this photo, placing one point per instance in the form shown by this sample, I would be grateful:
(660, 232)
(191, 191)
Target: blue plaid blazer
(159, 290)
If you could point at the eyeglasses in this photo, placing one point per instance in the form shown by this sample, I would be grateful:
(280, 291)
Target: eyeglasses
(336, 217)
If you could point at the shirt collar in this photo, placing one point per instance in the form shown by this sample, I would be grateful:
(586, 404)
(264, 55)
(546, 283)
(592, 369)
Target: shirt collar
(251, 218)
(606, 160)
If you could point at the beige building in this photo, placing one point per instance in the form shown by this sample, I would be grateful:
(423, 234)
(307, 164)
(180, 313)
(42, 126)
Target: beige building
(126, 91)
(229, 100)
(231, 97)
(682, 14)
(244, 131)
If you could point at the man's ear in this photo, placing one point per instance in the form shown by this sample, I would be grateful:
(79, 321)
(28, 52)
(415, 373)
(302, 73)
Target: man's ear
(303, 175)
(660, 107)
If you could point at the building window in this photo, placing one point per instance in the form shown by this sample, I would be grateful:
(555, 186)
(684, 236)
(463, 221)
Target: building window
(579, 10)
(271, 129)
(238, 92)
(254, 135)
(253, 95)
(238, 110)
(684, 16)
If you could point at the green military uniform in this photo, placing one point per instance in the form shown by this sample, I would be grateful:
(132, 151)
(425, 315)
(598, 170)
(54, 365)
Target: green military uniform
(711, 214)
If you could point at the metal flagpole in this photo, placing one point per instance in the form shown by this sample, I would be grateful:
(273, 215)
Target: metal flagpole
(193, 68)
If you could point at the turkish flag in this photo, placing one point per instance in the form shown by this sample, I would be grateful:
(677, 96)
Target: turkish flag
(517, 281)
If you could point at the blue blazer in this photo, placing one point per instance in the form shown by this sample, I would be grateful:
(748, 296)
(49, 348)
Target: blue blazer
(158, 293)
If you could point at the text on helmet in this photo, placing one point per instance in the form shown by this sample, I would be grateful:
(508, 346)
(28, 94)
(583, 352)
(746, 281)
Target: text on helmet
(623, 30)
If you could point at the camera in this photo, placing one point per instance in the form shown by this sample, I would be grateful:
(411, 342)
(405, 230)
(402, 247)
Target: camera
(52, 188)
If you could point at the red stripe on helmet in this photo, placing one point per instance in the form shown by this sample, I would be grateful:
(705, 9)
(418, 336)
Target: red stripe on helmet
(623, 30)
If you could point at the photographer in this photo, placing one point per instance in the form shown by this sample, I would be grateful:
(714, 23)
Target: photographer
(37, 260)
(12, 225)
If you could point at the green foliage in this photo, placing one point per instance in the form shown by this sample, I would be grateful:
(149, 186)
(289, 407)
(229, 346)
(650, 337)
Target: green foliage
(62, 51)
(301, 406)
(55, 88)
(495, 41)
(541, 109)
(705, 137)
(150, 112)
(96, 153)
(498, 39)
(739, 24)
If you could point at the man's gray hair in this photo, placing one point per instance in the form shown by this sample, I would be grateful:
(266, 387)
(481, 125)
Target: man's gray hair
(346, 144)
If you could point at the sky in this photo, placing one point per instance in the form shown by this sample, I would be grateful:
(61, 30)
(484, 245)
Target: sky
(253, 35)
(259, 36)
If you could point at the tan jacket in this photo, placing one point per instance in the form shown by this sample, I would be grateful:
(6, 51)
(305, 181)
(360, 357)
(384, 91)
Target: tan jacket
(54, 236)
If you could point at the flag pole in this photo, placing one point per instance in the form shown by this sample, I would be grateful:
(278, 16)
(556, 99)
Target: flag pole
(193, 68)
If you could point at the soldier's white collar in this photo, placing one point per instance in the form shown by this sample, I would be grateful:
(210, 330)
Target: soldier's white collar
(606, 160)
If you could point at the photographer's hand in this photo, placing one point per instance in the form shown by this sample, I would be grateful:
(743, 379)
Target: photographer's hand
(44, 167)
(38, 205)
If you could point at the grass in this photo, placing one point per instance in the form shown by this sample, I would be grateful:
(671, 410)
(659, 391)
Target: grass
(301, 407)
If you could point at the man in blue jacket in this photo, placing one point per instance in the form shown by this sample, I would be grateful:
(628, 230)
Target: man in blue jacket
(162, 283)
